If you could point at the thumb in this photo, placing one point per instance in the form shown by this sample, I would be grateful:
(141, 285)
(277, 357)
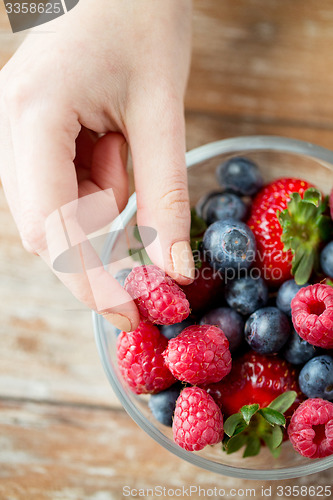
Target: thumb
(157, 141)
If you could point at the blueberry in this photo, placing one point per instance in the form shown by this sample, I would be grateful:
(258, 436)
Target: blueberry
(316, 378)
(230, 322)
(326, 259)
(162, 405)
(298, 351)
(240, 176)
(201, 204)
(229, 244)
(267, 330)
(171, 331)
(224, 206)
(246, 294)
(121, 275)
(285, 295)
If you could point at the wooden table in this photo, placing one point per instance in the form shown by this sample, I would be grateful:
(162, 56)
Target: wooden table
(259, 67)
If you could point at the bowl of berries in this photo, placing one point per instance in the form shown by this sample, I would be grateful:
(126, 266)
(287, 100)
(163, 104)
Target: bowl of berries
(234, 372)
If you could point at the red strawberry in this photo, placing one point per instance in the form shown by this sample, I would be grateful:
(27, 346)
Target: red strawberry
(254, 378)
(255, 395)
(205, 288)
(273, 260)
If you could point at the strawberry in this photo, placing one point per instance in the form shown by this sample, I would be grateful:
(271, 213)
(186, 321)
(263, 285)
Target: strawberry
(254, 378)
(205, 289)
(272, 259)
(255, 394)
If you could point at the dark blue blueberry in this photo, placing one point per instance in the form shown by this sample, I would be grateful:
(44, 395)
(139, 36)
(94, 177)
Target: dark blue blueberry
(224, 206)
(171, 331)
(229, 244)
(285, 295)
(326, 259)
(240, 176)
(267, 330)
(122, 275)
(246, 294)
(230, 322)
(162, 405)
(316, 378)
(298, 351)
(201, 204)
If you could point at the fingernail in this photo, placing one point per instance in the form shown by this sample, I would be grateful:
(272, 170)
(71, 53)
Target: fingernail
(119, 321)
(182, 259)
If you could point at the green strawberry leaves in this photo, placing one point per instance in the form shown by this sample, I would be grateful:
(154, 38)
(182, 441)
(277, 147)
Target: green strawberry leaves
(139, 254)
(273, 417)
(198, 227)
(253, 426)
(305, 226)
(248, 411)
(283, 402)
(234, 424)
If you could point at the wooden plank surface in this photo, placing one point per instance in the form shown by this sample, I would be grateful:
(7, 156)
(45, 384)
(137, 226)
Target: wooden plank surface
(259, 67)
(263, 59)
(57, 452)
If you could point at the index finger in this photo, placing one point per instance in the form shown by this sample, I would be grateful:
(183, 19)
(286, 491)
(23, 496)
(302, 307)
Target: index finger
(48, 192)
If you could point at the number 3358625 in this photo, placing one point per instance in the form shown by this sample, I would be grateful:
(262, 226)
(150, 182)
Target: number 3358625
(33, 8)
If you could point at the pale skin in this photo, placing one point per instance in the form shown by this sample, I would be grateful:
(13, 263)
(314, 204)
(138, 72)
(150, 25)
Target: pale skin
(120, 71)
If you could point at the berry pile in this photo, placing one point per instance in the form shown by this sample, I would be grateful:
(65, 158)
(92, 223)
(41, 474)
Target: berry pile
(243, 355)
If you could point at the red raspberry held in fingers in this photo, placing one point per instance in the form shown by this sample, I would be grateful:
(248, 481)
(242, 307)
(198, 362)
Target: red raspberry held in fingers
(197, 420)
(140, 359)
(199, 354)
(158, 297)
(311, 428)
(312, 314)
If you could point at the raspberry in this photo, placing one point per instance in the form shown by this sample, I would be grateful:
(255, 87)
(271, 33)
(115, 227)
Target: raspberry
(199, 355)
(140, 359)
(197, 420)
(312, 314)
(158, 297)
(311, 428)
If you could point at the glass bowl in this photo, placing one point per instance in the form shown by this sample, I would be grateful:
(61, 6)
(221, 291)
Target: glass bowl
(276, 157)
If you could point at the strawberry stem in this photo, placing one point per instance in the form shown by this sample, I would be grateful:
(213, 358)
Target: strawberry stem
(254, 426)
(304, 227)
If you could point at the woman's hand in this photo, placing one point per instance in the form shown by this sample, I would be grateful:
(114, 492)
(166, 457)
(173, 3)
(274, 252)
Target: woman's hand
(112, 68)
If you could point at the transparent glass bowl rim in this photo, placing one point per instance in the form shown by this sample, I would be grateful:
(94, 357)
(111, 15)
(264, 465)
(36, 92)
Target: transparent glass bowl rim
(236, 145)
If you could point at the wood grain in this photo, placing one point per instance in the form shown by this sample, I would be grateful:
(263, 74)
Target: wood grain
(263, 59)
(57, 452)
(259, 67)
